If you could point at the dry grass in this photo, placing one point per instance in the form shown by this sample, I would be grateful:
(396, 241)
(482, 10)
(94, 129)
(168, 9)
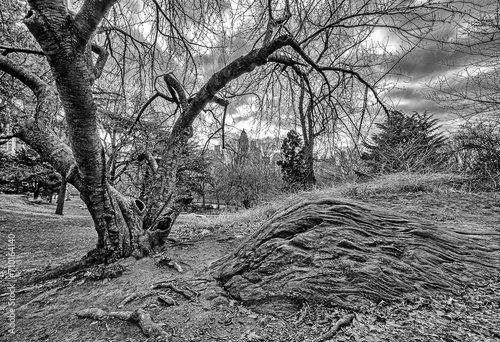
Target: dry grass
(399, 183)
(243, 222)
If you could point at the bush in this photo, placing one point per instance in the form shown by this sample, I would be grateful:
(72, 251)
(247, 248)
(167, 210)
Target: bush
(477, 149)
(245, 183)
(406, 143)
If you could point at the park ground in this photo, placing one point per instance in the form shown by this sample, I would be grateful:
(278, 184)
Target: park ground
(47, 310)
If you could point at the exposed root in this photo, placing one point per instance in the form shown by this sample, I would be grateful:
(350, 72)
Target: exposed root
(139, 316)
(40, 297)
(111, 271)
(128, 299)
(168, 285)
(343, 322)
(71, 267)
(134, 296)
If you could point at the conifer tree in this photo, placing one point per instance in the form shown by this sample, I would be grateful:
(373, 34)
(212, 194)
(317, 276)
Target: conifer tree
(293, 164)
(405, 143)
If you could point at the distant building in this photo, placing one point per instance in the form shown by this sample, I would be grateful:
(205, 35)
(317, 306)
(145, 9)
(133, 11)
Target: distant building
(14, 144)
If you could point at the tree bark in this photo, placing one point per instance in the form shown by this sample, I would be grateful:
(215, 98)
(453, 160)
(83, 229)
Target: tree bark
(117, 220)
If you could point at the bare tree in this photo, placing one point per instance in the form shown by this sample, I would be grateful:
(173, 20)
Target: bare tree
(473, 85)
(247, 43)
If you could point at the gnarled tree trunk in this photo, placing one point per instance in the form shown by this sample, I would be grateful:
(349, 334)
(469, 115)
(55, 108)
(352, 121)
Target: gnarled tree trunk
(124, 226)
(342, 253)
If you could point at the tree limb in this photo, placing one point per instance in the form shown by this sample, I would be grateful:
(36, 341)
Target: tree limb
(343, 322)
(176, 90)
(10, 49)
(90, 15)
(35, 83)
(273, 23)
(102, 57)
(150, 159)
(217, 81)
(35, 131)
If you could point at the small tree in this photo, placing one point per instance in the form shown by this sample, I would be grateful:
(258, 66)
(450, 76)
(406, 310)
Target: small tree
(293, 163)
(244, 175)
(405, 143)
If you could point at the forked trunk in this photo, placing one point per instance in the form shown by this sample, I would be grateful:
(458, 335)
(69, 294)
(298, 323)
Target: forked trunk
(120, 228)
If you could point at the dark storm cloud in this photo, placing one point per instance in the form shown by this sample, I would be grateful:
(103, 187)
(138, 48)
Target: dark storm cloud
(423, 64)
(420, 68)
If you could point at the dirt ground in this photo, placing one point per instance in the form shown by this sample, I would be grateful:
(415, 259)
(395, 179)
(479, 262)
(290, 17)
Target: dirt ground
(47, 311)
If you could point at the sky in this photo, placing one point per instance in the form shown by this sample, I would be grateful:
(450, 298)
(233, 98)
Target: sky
(421, 67)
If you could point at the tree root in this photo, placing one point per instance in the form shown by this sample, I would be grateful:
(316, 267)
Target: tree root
(59, 271)
(168, 285)
(139, 316)
(343, 322)
(41, 296)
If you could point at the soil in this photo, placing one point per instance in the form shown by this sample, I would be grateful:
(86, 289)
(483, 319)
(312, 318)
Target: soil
(47, 311)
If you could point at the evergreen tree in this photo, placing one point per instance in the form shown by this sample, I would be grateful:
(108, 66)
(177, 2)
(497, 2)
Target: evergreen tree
(293, 163)
(405, 143)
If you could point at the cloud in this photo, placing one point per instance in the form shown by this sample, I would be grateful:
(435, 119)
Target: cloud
(423, 64)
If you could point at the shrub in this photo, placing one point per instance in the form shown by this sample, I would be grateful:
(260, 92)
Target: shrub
(477, 149)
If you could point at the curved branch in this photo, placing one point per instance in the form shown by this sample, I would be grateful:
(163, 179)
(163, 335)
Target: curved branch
(273, 23)
(176, 90)
(321, 69)
(150, 159)
(35, 83)
(220, 79)
(35, 131)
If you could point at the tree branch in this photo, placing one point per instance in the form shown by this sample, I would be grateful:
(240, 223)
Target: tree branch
(10, 49)
(220, 79)
(90, 15)
(320, 69)
(273, 23)
(36, 84)
(6, 138)
(102, 57)
(35, 131)
(148, 102)
(176, 90)
(150, 159)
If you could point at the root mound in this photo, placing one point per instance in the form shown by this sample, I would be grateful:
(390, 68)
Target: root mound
(342, 253)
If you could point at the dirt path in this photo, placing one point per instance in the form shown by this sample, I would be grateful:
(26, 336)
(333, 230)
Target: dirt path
(48, 313)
